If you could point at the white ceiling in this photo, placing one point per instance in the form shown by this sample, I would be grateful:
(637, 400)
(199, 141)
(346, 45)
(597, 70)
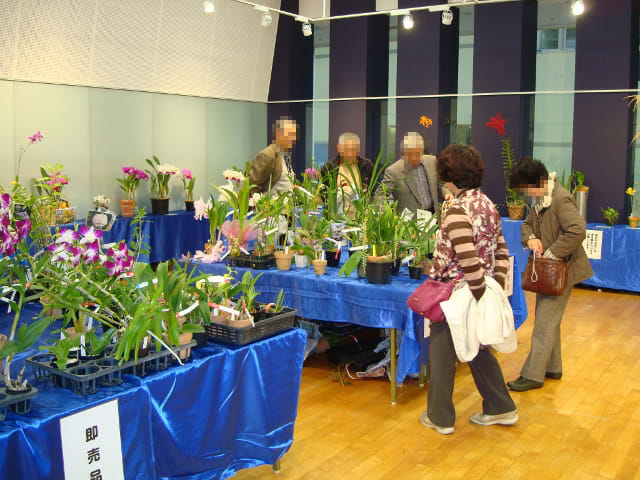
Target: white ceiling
(168, 46)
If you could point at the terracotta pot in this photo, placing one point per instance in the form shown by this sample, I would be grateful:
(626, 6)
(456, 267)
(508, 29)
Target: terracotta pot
(222, 318)
(183, 339)
(243, 323)
(319, 266)
(48, 310)
(426, 266)
(301, 261)
(127, 208)
(159, 206)
(634, 221)
(283, 260)
(516, 212)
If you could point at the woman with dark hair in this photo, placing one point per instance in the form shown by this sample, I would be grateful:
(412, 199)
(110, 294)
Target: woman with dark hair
(553, 229)
(469, 247)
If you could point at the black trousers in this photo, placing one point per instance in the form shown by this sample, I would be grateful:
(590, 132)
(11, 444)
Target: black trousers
(442, 365)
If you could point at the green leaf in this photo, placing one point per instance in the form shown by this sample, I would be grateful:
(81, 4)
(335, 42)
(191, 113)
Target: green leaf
(351, 264)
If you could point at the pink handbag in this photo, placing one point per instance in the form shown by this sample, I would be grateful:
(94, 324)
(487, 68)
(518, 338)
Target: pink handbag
(425, 300)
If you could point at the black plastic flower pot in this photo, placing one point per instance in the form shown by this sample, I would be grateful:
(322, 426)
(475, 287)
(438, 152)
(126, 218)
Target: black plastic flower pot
(201, 339)
(333, 260)
(379, 272)
(395, 268)
(415, 272)
(159, 206)
(189, 206)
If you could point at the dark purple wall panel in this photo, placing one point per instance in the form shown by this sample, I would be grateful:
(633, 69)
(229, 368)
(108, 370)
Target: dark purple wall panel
(358, 67)
(503, 60)
(427, 64)
(606, 58)
(291, 79)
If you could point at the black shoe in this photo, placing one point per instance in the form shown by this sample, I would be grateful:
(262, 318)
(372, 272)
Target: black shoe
(553, 375)
(523, 384)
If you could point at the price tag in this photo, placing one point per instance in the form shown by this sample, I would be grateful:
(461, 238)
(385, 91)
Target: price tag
(91, 445)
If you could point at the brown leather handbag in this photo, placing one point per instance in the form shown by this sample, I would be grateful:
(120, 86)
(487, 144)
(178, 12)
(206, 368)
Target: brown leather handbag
(545, 276)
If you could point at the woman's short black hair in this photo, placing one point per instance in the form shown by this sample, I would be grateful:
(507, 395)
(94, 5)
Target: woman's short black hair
(528, 172)
(461, 165)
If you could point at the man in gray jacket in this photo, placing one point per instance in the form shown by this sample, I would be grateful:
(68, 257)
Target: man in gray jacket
(413, 180)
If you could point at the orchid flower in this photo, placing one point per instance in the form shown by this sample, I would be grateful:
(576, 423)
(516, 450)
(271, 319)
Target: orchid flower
(91, 253)
(89, 234)
(67, 236)
(230, 230)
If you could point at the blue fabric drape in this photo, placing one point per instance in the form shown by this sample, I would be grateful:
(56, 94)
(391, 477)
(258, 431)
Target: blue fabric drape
(168, 236)
(228, 409)
(339, 299)
(617, 268)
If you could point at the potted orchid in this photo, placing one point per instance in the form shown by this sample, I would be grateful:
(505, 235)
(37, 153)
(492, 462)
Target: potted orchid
(50, 203)
(188, 182)
(634, 212)
(129, 184)
(160, 174)
(239, 230)
(215, 211)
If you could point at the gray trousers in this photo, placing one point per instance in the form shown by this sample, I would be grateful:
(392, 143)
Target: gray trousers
(442, 364)
(546, 352)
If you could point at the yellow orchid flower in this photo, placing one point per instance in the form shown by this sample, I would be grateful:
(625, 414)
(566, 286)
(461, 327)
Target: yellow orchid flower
(630, 191)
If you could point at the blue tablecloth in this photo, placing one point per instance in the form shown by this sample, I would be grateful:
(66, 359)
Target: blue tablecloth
(339, 299)
(618, 267)
(168, 236)
(228, 409)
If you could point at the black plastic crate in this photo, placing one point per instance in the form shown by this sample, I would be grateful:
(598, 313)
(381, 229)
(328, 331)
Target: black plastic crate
(16, 402)
(257, 263)
(86, 378)
(264, 327)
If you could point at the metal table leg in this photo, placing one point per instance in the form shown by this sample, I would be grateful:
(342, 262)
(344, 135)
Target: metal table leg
(421, 376)
(392, 340)
(276, 466)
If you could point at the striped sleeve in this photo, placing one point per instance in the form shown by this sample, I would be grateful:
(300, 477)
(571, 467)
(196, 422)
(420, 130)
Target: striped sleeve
(458, 225)
(502, 261)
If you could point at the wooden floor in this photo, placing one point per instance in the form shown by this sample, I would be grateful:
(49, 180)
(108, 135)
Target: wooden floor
(585, 426)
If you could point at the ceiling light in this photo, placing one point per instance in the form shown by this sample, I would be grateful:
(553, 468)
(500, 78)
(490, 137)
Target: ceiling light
(209, 7)
(266, 19)
(306, 29)
(447, 17)
(407, 21)
(577, 7)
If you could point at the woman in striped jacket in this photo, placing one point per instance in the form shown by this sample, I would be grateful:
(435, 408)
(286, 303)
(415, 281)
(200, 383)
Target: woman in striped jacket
(469, 246)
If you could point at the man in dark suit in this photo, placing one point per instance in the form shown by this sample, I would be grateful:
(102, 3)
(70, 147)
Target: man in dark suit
(413, 180)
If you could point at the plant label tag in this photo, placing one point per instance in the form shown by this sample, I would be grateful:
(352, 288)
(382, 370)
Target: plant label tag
(145, 341)
(243, 250)
(259, 222)
(286, 250)
(508, 286)
(355, 249)
(91, 443)
(188, 310)
(225, 255)
(216, 279)
(407, 259)
(350, 230)
(272, 231)
(335, 242)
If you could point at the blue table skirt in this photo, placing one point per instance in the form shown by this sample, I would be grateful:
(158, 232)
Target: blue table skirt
(618, 268)
(339, 299)
(228, 409)
(168, 236)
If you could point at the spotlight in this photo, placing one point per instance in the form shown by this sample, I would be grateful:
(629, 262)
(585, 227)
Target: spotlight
(266, 19)
(577, 7)
(306, 29)
(209, 7)
(447, 17)
(407, 21)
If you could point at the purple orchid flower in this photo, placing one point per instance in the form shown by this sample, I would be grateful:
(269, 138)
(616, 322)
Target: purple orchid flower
(23, 227)
(36, 137)
(91, 253)
(75, 255)
(5, 200)
(67, 235)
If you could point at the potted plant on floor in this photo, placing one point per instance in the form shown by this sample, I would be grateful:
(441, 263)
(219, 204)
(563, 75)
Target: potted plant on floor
(129, 185)
(515, 201)
(160, 174)
(188, 182)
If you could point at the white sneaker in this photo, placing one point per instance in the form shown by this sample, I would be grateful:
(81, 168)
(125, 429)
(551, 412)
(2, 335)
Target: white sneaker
(508, 418)
(424, 419)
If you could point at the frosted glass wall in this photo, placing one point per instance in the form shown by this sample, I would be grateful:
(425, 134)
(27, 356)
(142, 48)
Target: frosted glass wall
(94, 132)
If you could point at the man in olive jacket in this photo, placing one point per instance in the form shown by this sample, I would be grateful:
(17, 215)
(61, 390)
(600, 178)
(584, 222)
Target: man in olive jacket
(271, 169)
(553, 229)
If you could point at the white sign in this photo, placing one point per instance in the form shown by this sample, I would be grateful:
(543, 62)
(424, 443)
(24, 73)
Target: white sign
(508, 284)
(592, 244)
(91, 446)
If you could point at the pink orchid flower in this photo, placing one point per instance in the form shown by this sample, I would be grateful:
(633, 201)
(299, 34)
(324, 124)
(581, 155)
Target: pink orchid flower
(230, 229)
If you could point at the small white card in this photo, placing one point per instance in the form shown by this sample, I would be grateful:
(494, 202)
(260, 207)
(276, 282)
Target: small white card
(592, 244)
(508, 286)
(91, 445)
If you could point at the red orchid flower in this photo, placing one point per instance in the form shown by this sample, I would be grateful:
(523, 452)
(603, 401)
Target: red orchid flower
(497, 123)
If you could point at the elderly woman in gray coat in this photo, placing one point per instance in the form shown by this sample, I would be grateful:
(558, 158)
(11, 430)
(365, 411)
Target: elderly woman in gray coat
(553, 229)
